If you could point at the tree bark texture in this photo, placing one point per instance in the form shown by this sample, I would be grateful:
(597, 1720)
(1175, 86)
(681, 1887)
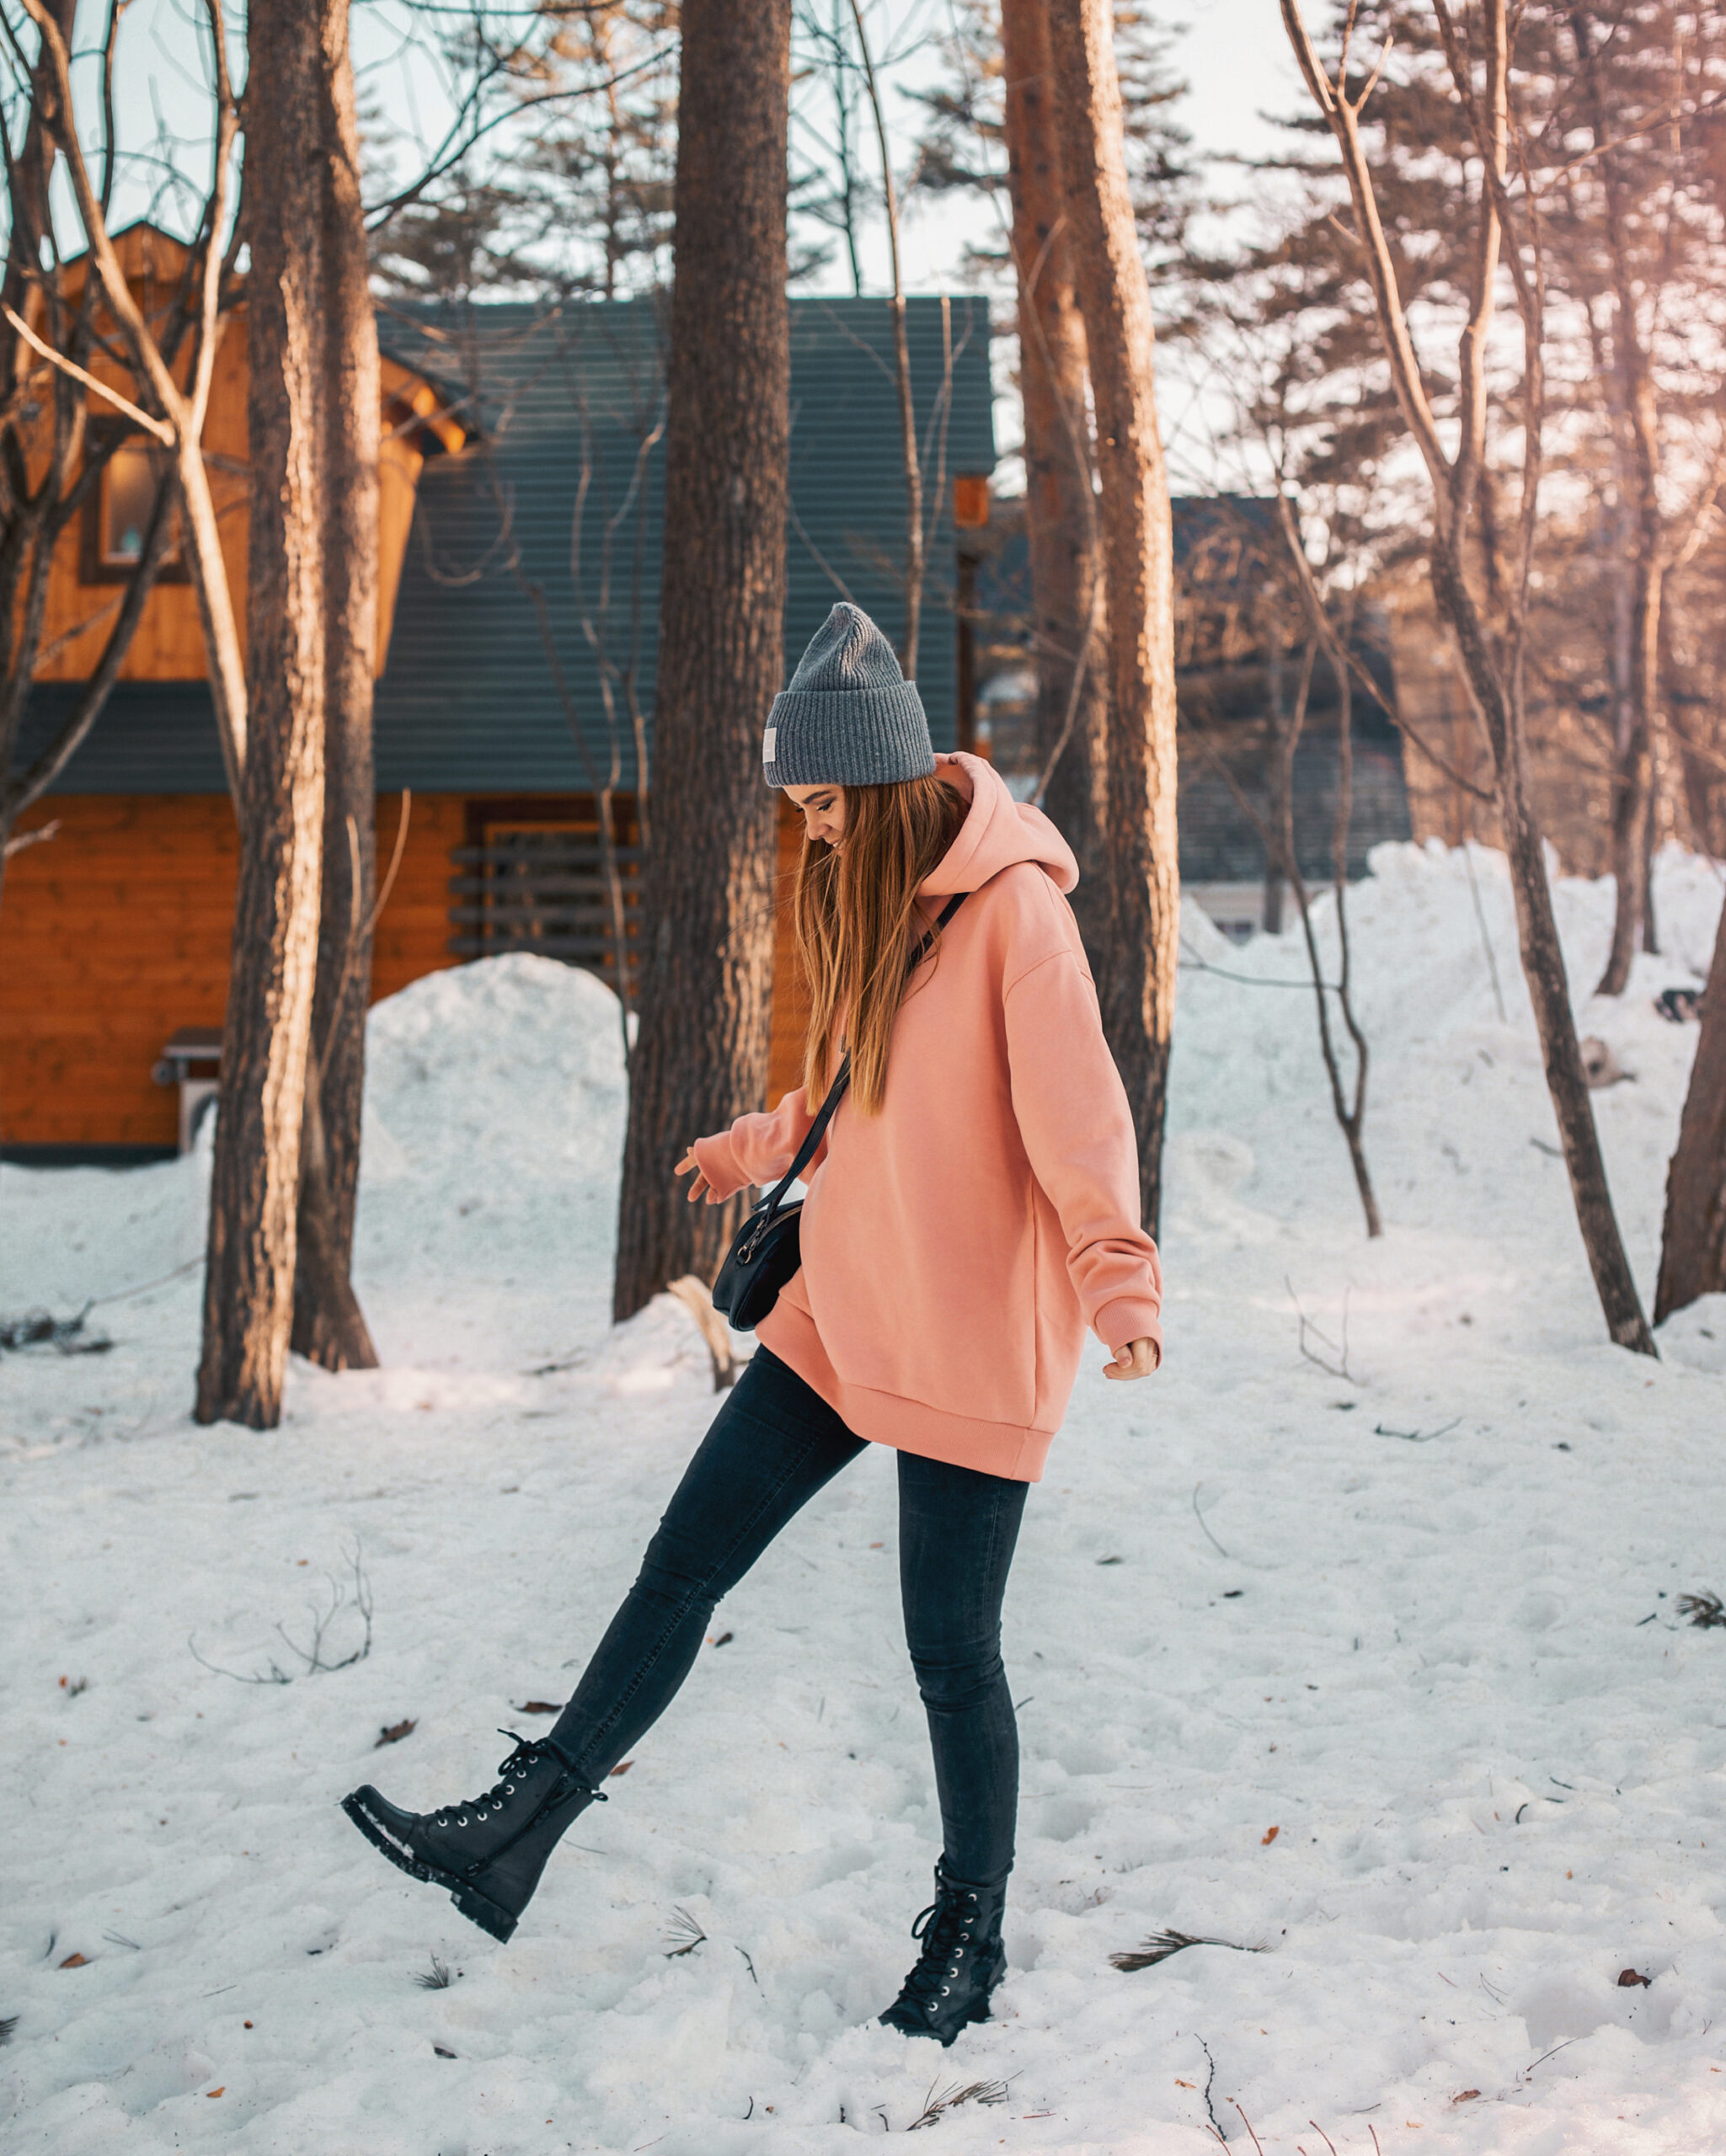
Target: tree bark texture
(250, 1273)
(1693, 1240)
(1137, 987)
(1061, 511)
(701, 1056)
(329, 1324)
(1544, 963)
(1638, 733)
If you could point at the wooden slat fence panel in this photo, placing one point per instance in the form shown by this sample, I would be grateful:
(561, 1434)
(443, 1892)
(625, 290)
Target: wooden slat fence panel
(543, 890)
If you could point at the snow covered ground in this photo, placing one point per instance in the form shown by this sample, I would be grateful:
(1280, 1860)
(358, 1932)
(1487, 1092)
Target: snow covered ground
(1482, 1782)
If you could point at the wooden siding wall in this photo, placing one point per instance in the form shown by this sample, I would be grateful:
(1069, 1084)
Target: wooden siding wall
(115, 933)
(169, 643)
(414, 929)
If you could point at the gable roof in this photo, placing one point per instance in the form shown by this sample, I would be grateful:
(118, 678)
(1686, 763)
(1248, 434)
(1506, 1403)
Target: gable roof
(565, 401)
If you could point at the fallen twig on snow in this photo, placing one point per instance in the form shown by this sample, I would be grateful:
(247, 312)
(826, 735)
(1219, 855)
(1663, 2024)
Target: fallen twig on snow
(42, 1329)
(1416, 1437)
(1707, 1611)
(1161, 1944)
(1339, 1349)
(1199, 1517)
(322, 1619)
(685, 1928)
(1210, 2083)
(976, 2092)
(1545, 2056)
(274, 1674)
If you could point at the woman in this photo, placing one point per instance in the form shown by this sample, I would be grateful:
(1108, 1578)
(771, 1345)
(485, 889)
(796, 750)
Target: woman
(972, 1208)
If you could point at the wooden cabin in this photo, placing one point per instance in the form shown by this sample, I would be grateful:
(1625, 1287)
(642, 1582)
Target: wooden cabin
(520, 544)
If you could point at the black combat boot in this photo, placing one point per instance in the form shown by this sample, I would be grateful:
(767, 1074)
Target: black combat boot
(490, 1853)
(962, 1962)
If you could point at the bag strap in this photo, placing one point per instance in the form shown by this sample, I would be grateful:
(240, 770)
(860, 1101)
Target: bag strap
(842, 1079)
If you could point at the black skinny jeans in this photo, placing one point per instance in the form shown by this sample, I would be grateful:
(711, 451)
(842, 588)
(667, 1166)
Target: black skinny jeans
(771, 1446)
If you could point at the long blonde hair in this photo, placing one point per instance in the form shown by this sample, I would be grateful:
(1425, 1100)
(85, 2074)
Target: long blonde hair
(856, 920)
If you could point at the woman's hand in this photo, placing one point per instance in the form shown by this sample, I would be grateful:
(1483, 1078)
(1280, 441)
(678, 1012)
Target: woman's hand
(701, 1187)
(1137, 1359)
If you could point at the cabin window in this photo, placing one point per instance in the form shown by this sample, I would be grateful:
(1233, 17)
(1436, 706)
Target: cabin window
(129, 488)
(117, 514)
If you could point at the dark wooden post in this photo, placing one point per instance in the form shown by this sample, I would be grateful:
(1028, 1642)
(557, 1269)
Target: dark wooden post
(964, 714)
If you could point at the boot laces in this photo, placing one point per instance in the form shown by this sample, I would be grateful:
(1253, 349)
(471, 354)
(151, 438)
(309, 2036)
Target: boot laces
(527, 1752)
(948, 1928)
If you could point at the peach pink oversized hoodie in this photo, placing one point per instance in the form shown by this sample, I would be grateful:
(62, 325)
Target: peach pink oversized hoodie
(956, 1245)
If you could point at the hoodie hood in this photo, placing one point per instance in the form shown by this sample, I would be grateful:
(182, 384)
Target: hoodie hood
(998, 832)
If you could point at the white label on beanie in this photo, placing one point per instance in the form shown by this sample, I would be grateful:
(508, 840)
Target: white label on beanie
(768, 737)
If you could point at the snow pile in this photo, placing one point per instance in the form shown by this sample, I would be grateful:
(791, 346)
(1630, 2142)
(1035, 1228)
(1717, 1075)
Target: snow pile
(1365, 1661)
(494, 1119)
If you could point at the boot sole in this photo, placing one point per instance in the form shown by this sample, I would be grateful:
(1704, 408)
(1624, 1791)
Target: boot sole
(974, 2014)
(479, 1909)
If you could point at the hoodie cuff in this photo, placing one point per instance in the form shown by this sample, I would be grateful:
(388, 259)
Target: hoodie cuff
(1127, 1318)
(717, 1159)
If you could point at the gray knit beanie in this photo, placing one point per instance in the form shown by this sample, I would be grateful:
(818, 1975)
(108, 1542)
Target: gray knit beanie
(848, 716)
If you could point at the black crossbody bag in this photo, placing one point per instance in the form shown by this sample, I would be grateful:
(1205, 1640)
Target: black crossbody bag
(766, 1249)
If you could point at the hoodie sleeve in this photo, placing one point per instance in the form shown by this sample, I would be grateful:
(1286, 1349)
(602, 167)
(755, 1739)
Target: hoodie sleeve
(1078, 1130)
(758, 1149)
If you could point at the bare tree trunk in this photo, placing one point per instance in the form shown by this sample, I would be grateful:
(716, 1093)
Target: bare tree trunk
(1633, 395)
(701, 1056)
(329, 1324)
(1693, 1240)
(1351, 1115)
(1493, 664)
(248, 1287)
(1061, 508)
(1138, 990)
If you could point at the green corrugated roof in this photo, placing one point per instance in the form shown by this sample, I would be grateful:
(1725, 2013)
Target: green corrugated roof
(468, 701)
